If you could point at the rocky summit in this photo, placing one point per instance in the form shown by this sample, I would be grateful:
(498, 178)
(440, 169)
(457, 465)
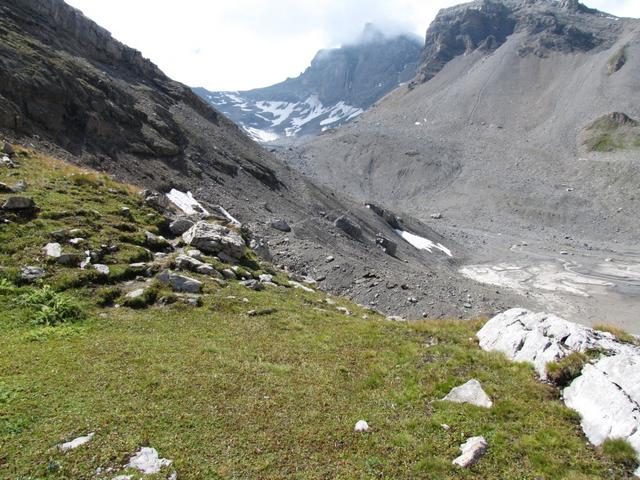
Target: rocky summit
(336, 88)
(358, 301)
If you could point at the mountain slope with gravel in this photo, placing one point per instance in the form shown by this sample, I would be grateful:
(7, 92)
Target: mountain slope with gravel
(495, 131)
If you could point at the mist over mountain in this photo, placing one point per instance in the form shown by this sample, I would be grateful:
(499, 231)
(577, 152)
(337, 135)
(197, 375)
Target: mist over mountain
(338, 86)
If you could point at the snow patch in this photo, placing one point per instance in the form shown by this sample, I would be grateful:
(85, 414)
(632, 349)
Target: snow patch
(185, 202)
(261, 136)
(422, 243)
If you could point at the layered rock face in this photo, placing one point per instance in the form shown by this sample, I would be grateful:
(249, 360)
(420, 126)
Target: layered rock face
(485, 25)
(66, 80)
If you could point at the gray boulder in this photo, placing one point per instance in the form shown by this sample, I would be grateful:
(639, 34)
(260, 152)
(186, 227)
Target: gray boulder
(156, 242)
(69, 259)
(180, 283)
(471, 451)
(349, 227)
(180, 225)
(214, 238)
(281, 225)
(19, 203)
(229, 274)
(8, 149)
(387, 245)
(471, 392)
(31, 274)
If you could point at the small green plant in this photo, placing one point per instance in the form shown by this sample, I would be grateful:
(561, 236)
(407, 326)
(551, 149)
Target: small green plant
(108, 296)
(620, 451)
(6, 287)
(564, 371)
(51, 308)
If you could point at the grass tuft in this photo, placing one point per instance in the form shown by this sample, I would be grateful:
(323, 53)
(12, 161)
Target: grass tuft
(619, 333)
(51, 308)
(621, 452)
(564, 371)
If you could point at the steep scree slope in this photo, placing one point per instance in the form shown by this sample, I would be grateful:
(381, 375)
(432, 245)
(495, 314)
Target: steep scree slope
(492, 131)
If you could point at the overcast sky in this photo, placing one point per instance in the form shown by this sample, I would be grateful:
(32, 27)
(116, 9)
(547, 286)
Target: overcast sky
(243, 44)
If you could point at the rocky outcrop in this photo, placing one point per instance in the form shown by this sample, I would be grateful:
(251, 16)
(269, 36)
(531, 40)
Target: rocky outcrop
(484, 25)
(68, 81)
(215, 239)
(606, 394)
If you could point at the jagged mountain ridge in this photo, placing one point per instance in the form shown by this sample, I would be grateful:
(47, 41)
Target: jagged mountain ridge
(490, 132)
(338, 86)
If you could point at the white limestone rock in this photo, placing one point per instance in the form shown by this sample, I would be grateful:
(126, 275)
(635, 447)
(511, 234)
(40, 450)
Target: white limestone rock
(361, 426)
(147, 461)
(76, 442)
(606, 394)
(53, 250)
(471, 451)
(472, 393)
(540, 338)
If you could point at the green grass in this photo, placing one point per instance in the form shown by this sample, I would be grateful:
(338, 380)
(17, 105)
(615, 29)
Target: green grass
(621, 452)
(607, 135)
(227, 395)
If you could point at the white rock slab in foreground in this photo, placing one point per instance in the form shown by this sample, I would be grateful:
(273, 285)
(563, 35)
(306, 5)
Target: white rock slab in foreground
(472, 450)
(471, 392)
(606, 394)
(148, 461)
(540, 338)
(75, 443)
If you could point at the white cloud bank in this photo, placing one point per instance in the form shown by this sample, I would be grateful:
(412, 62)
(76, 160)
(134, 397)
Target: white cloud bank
(243, 44)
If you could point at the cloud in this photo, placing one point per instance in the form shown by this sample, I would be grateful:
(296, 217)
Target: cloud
(243, 44)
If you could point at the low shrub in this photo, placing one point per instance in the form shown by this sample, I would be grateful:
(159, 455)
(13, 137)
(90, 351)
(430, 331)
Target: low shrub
(51, 308)
(564, 371)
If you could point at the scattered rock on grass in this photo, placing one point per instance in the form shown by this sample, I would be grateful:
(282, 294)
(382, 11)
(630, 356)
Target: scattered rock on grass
(299, 286)
(361, 426)
(53, 250)
(471, 392)
(69, 259)
(102, 270)
(18, 204)
(31, 274)
(180, 283)
(213, 238)
(75, 443)
(472, 451)
(147, 461)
